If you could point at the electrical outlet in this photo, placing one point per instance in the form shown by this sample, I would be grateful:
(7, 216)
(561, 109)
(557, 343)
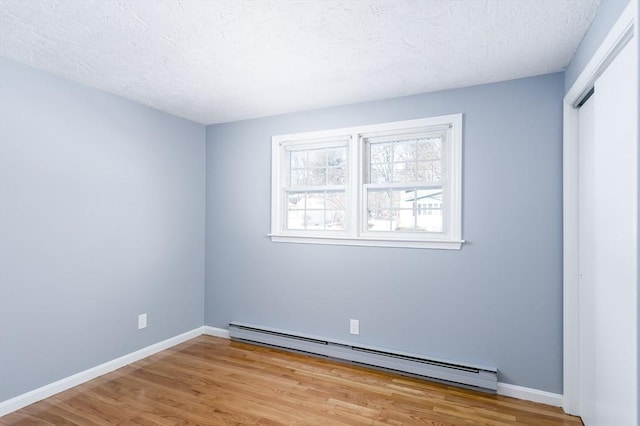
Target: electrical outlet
(142, 321)
(354, 326)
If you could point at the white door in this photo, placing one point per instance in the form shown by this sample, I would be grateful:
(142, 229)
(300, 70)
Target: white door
(608, 250)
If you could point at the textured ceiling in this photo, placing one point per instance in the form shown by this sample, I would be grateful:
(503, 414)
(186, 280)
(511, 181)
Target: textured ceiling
(218, 61)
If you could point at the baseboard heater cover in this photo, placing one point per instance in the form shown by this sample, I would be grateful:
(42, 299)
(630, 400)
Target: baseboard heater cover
(482, 378)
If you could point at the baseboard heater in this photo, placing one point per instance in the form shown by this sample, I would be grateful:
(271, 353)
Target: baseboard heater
(481, 378)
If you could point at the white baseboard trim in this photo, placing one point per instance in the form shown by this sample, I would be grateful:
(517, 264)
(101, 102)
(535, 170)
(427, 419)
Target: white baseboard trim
(529, 394)
(20, 401)
(215, 331)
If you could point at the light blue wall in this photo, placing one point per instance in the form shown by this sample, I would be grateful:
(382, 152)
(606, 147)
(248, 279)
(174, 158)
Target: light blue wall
(608, 13)
(101, 218)
(496, 302)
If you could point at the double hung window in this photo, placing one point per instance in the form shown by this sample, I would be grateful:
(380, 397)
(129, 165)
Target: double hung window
(391, 184)
(317, 187)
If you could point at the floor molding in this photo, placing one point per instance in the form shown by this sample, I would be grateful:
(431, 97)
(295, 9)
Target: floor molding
(529, 394)
(51, 389)
(20, 401)
(215, 331)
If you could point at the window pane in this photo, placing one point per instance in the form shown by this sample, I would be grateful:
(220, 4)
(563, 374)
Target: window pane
(335, 200)
(405, 210)
(428, 210)
(316, 210)
(404, 172)
(337, 176)
(298, 159)
(317, 177)
(334, 219)
(431, 221)
(318, 167)
(380, 206)
(404, 151)
(429, 149)
(296, 200)
(409, 160)
(429, 171)
(316, 158)
(298, 177)
(296, 219)
(336, 157)
(380, 152)
(380, 173)
(425, 171)
(296, 210)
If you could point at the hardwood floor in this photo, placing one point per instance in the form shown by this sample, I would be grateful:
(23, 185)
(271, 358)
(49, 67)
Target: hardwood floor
(213, 381)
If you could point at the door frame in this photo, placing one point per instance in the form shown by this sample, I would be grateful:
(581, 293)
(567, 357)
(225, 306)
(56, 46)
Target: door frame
(621, 32)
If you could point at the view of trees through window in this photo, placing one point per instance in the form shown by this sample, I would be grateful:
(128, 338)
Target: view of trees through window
(317, 195)
(414, 200)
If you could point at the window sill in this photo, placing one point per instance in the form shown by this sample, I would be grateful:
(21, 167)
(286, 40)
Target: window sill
(368, 242)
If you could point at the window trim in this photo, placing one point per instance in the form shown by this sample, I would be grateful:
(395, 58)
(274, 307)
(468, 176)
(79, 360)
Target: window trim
(354, 233)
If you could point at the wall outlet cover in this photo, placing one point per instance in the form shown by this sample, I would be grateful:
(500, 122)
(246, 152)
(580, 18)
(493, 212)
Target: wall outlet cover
(142, 321)
(354, 326)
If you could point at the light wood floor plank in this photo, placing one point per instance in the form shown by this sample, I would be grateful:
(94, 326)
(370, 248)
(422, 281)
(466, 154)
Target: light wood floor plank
(213, 381)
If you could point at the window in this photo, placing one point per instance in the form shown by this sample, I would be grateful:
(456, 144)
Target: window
(317, 189)
(393, 184)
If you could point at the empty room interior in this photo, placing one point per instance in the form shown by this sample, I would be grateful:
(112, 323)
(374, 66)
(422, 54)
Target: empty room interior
(319, 212)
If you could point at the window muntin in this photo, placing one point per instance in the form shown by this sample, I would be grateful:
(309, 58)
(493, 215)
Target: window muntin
(392, 184)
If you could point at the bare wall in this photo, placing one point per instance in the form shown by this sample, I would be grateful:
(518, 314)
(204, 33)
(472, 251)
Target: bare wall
(101, 218)
(496, 302)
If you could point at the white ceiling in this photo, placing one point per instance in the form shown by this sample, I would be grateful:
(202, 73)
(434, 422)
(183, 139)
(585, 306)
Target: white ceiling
(218, 61)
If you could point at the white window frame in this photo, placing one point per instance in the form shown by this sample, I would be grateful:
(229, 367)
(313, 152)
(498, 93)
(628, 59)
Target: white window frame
(356, 212)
